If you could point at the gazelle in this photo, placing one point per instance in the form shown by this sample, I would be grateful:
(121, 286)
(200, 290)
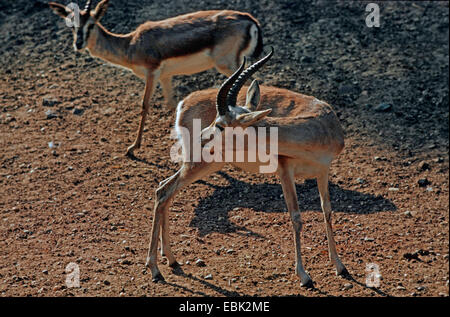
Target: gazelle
(309, 138)
(158, 50)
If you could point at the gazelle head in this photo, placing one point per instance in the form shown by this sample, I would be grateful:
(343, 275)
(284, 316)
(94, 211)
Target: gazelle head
(229, 114)
(85, 20)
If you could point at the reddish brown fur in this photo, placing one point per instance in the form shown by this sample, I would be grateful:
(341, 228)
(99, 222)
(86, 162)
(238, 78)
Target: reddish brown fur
(189, 33)
(315, 123)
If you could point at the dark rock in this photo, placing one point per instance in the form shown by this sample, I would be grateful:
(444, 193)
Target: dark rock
(423, 182)
(51, 114)
(411, 256)
(77, 111)
(306, 59)
(383, 107)
(424, 166)
(49, 102)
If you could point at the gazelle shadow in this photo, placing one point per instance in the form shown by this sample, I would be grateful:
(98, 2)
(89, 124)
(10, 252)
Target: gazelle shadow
(191, 278)
(210, 216)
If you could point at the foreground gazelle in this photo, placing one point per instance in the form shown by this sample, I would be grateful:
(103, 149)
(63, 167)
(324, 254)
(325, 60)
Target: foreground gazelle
(156, 51)
(309, 137)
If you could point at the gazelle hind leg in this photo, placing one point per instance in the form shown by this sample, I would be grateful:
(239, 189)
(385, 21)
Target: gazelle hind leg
(167, 89)
(322, 183)
(290, 196)
(165, 242)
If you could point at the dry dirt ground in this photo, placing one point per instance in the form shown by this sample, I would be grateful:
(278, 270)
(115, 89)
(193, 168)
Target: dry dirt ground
(68, 193)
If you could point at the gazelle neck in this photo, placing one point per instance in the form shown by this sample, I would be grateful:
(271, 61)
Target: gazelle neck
(109, 46)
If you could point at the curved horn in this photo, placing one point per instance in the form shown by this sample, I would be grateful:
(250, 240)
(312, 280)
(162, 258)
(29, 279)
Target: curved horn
(88, 6)
(221, 103)
(234, 91)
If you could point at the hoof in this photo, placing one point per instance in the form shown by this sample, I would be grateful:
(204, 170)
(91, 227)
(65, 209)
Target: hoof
(158, 278)
(308, 284)
(130, 154)
(344, 273)
(130, 150)
(176, 268)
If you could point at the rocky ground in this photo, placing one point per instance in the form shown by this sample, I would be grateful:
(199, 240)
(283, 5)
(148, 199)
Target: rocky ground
(68, 193)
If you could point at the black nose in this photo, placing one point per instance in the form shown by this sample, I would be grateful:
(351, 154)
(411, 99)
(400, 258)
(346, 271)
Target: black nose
(79, 45)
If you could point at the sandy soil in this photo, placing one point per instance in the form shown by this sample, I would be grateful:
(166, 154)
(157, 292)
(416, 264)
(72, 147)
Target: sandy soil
(68, 193)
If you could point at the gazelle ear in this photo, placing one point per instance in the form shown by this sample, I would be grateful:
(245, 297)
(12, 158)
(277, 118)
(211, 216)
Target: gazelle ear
(247, 119)
(253, 96)
(59, 9)
(100, 10)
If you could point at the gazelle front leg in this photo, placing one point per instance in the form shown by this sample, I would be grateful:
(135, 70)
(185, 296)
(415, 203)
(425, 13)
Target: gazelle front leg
(149, 89)
(290, 196)
(188, 173)
(164, 195)
(322, 184)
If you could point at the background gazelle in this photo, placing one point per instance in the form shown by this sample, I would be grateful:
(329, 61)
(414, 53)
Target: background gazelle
(158, 50)
(309, 137)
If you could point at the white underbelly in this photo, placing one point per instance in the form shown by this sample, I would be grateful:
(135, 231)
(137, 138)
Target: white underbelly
(140, 71)
(252, 163)
(187, 65)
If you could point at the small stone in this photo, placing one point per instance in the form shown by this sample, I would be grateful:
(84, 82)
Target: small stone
(409, 213)
(77, 111)
(208, 277)
(423, 182)
(306, 59)
(45, 272)
(49, 102)
(50, 114)
(420, 288)
(423, 166)
(348, 286)
(200, 263)
(411, 256)
(383, 107)
(401, 288)
(106, 282)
